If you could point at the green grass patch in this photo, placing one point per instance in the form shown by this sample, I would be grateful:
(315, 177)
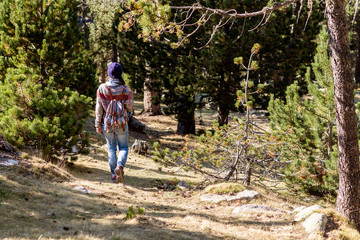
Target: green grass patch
(225, 188)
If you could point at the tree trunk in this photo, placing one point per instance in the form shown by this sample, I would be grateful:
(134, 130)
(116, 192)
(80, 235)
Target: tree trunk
(151, 97)
(348, 199)
(137, 126)
(185, 116)
(357, 62)
(84, 25)
(4, 146)
(223, 113)
(186, 126)
(247, 178)
(224, 101)
(102, 77)
(114, 57)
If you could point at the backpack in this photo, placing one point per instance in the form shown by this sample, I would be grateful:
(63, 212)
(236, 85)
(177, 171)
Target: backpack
(116, 114)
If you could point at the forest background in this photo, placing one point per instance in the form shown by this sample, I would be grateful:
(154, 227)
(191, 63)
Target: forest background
(55, 54)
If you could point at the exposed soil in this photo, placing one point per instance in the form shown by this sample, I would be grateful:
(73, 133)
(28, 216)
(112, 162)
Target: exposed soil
(85, 205)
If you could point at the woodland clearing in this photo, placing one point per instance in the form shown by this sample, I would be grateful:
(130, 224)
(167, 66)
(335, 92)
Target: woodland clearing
(44, 201)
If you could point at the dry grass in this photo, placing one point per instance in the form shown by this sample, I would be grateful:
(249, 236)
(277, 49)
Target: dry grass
(225, 188)
(34, 206)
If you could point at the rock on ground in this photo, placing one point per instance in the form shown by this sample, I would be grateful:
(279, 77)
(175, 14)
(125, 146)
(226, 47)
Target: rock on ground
(7, 162)
(298, 209)
(315, 223)
(82, 189)
(4, 146)
(140, 147)
(306, 212)
(254, 208)
(183, 185)
(212, 198)
(246, 194)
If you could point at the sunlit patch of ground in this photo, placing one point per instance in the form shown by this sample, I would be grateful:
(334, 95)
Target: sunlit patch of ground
(33, 206)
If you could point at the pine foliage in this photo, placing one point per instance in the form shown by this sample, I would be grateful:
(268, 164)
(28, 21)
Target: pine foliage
(306, 125)
(45, 67)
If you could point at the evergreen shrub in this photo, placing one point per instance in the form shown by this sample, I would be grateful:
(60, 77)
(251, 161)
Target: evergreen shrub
(45, 70)
(306, 126)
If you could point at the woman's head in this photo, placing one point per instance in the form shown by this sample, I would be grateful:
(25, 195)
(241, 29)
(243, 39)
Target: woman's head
(115, 70)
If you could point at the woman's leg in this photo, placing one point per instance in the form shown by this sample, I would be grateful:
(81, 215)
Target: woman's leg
(123, 144)
(111, 145)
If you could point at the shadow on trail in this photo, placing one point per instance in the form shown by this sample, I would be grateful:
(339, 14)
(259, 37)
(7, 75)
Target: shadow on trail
(166, 211)
(33, 208)
(152, 171)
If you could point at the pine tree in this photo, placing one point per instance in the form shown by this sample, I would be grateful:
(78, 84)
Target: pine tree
(309, 126)
(104, 33)
(172, 72)
(45, 69)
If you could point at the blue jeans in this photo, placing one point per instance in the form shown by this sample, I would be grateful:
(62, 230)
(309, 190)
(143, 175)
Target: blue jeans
(114, 139)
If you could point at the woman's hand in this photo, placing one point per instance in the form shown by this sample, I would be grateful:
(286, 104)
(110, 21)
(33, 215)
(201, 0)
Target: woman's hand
(98, 130)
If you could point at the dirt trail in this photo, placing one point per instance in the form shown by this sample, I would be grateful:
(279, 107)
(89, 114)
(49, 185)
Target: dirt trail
(88, 206)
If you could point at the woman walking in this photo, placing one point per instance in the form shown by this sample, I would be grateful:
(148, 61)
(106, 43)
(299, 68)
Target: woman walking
(116, 135)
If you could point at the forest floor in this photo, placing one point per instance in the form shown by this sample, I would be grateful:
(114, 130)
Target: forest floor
(44, 201)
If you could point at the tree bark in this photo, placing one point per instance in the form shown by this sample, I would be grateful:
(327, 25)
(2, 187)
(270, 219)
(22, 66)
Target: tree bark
(186, 126)
(348, 199)
(223, 113)
(102, 77)
(84, 25)
(137, 126)
(4, 146)
(114, 57)
(151, 97)
(224, 100)
(357, 61)
(186, 116)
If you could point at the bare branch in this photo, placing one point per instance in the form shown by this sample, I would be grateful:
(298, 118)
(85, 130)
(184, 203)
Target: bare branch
(310, 7)
(301, 6)
(212, 34)
(267, 19)
(260, 23)
(356, 9)
(233, 13)
(189, 35)
(242, 31)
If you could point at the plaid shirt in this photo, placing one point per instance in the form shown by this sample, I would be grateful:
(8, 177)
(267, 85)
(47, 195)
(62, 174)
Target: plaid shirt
(103, 100)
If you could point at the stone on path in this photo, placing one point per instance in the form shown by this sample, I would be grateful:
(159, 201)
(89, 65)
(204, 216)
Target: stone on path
(140, 147)
(4, 146)
(315, 223)
(8, 162)
(255, 208)
(298, 209)
(183, 185)
(287, 206)
(212, 198)
(246, 194)
(306, 212)
(82, 189)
